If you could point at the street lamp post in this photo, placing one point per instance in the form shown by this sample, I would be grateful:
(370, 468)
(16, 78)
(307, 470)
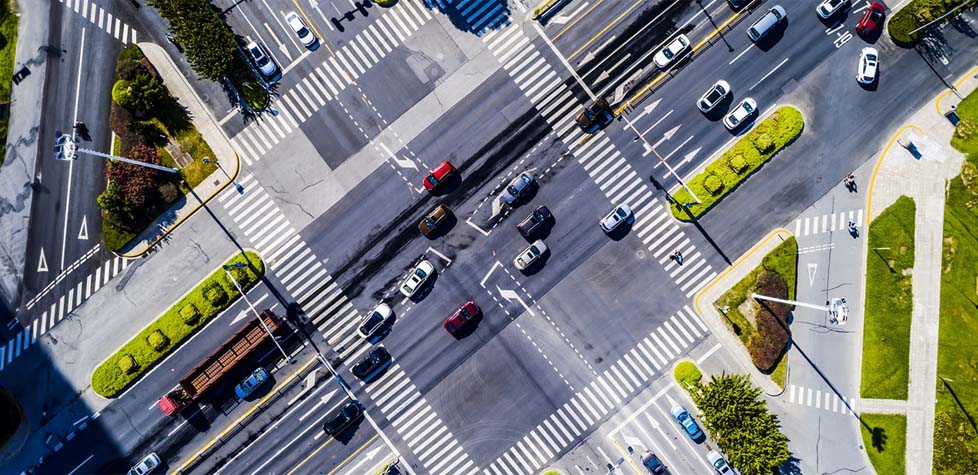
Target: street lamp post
(66, 148)
(239, 265)
(715, 27)
(237, 186)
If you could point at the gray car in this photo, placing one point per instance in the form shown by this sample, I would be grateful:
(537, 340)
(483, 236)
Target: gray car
(518, 187)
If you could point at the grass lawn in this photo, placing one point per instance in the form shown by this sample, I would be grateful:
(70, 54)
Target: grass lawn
(8, 47)
(687, 374)
(889, 303)
(966, 136)
(886, 441)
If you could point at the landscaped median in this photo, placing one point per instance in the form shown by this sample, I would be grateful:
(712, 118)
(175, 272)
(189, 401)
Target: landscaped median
(917, 14)
(889, 303)
(723, 175)
(176, 324)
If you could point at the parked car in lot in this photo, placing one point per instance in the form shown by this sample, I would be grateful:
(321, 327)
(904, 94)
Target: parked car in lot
(652, 463)
(621, 214)
(261, 58)
(146, 465)
(517, 187)
(665, 56)
(716, 94)
(532, 223)
(437, 177)
(434, 219)
(372, 364)
(719, 464)
(305, 35)
(595, 116)
(828, 8)
(743, 111)
(252, 382)
(765, 24)
(530, 255)
(341, 418)
(461, 318)
(868, 68)
(872, 18)
(417, 278)
(686, 421)
(373, 322)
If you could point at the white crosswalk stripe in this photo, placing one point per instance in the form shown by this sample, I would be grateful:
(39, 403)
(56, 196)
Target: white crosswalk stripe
(824, 400)
(627, 376)
(95, 14)
(830, 222)
(603, 162)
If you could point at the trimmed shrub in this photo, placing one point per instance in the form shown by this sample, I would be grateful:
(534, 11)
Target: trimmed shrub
(763, 143)
(688, 375)
(738, 164)
(214, 293)
(966, 129)
(189, 314)
(782, 128)
(138, 355)
(121, 93)
(771, 338)
(157, 340)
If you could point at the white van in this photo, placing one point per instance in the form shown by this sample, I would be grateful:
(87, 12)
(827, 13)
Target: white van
(766, 23)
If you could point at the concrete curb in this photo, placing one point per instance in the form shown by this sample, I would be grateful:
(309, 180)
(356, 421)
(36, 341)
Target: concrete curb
(711, 316)
(213, 134)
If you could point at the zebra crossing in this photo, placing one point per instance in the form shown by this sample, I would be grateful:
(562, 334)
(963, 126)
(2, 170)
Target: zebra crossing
(479, 15)
(61, 306)
(625, 378)
(825, 400)
(824, 223)
(310, 284)
(102, 19)
(418, 425)
(601, 159)
(329, 79)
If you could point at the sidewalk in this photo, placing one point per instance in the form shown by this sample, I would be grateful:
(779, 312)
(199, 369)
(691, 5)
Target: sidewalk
(924, 180)
(17, 172)
(206, 124)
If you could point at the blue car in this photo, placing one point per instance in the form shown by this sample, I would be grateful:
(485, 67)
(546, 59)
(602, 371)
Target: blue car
(248, 386)
(684, 419)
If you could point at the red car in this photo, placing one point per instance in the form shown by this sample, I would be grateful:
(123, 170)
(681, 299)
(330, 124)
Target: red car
(466, 313)
(439, 175)
(872, 17)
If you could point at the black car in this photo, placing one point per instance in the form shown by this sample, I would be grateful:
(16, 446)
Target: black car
(595, 116)
(338, 421)
(651, 462)
(532, 223)
(736, 5)
(372, 364)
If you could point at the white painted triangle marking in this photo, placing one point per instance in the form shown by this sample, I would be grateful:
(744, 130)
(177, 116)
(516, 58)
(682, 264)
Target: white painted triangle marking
(812, 267)
(83, 232)
(42, 266)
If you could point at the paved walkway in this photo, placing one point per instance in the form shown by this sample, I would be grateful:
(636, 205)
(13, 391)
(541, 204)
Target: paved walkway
(923, 179)
(882, 406)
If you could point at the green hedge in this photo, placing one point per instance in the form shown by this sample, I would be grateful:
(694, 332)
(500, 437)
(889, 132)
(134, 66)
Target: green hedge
(688, 375)
(722, 176)
(169, 330)
(385, 3)
(916, 14)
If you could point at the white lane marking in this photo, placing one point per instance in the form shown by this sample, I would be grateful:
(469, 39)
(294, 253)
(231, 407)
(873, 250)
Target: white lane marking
(768, 74)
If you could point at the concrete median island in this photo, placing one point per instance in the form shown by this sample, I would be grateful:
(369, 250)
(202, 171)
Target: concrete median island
(158, 339)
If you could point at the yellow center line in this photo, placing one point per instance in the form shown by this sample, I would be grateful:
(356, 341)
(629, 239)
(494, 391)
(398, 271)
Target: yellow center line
(312, 25)
(574, 22)
(603, 30)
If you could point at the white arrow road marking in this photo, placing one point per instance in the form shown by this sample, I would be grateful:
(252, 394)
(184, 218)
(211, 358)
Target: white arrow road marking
(657, 122)
(648, 109)
(401, 162)
(566, 18)
(83, 232)
(494, 266)
(247, 311)
(812, 267)
(367, 458)
(668, 135)
(42, 266)
(497, 207)
(512, 296)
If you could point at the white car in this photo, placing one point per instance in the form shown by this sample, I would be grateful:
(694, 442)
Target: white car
(838, 311)
(666, 55)
(299, 28)
(621, 214)
(828, 8)
(374, 321)
(417, 278)
(147, 465)
(739, 114)
(530, 255)
(714, 96)
(261, 59)
(869, 64)
(719, 464)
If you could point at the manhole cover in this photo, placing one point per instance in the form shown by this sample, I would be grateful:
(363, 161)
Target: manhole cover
(640, 254)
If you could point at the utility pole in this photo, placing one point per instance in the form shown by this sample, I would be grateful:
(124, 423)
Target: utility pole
(66, 149)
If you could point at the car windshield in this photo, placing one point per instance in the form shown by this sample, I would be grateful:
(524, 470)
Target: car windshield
(373, 320)
(301, 30)
(875, 15)
(538, 216)
(747, 108)
(621, 212)
(420, 273)
(465, 313)
(429, 223)
(432, 180)
(871, 57)
(512, 190)
(714, 95)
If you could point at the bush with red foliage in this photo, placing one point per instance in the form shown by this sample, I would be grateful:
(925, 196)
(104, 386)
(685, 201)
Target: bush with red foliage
(770, 339)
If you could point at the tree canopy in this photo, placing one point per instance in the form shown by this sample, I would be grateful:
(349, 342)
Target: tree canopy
(207, 41)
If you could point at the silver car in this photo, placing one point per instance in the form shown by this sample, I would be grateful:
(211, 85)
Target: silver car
(719, 464)
(417, 278)
(830, 7)
(530, 255)
(714, 96)
(300, 29)
(664, 57)
(517, 187)
(743, 111)
(869, 63)
(374, 321)
(261, 59)
(147, 465)
(621, 214)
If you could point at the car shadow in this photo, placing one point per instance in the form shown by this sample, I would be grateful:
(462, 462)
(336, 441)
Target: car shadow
(538, 264)
(773, 36)
(425, 289)
(743, 127)
(349, 432)
(721, 109)
(622, 230)
(447, 186)
(443, 228)
(469, 328)
(873, 86)
(873, 36)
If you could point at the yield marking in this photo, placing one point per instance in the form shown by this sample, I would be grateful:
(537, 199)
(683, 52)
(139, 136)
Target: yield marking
(484, 279)
(512, 296)
(812, 267)
(83, 232)
(42, 266)
(401, 162)
(444, 257)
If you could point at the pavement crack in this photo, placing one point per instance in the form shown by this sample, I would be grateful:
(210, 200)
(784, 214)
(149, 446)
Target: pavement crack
(293, 203)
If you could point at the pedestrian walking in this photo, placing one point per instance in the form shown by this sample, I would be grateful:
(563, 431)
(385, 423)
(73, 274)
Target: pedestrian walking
(678, 256)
